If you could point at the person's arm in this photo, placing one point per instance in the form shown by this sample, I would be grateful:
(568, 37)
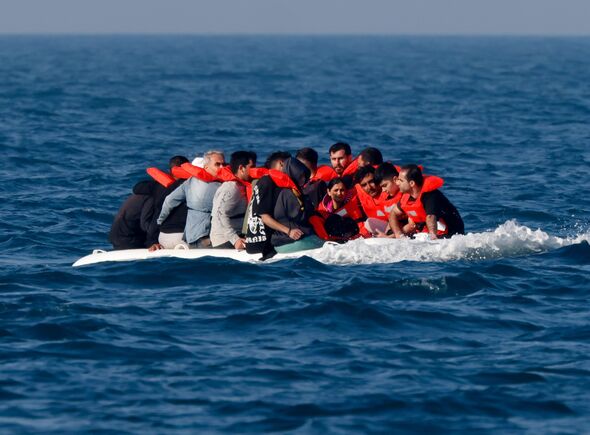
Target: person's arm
(269, 221)
(224, 202)
(394, 224)
(177, 197)
(431, 203)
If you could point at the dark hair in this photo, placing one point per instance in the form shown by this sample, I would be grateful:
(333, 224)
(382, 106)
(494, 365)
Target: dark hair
(334, 181)
(309, 155)
(363, 172)
(241, 158)
(177, 161)
(276, 156)
(372, 156)
(414, 173)
(385, 171)
(340, 146)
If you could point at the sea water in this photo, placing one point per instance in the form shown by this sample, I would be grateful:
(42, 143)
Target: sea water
(486, 332)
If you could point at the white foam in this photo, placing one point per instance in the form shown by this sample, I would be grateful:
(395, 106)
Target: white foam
(508, 240)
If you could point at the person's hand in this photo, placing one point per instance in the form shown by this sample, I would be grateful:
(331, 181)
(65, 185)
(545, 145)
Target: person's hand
(295, 233)
(240, 244)
(432, 236)
(155, 247)
(382, 235)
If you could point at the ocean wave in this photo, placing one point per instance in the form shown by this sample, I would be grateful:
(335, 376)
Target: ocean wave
(508, 240)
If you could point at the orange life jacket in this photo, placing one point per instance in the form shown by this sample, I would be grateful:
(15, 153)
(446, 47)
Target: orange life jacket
(200, 173)
(178, 172)
(352, 168)
(414, 208)
(351, 209)
(161, 177)
(324, 173)
(278, 177)
(379, 207)
(281, 179)
(225, 174)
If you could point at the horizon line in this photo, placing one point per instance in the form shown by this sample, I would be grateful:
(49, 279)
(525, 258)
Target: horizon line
(286, 34)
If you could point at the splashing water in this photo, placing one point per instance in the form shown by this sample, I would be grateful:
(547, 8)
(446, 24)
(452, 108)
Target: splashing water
(508, 240)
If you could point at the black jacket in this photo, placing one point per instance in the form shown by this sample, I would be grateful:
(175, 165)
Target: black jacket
(174, 223)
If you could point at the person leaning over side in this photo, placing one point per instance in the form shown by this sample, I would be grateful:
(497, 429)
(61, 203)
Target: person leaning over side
(198, 194)
(230, 203)
(426, 207)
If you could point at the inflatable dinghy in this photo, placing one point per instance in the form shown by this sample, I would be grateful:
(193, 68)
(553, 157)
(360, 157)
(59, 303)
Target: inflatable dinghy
(100, 256)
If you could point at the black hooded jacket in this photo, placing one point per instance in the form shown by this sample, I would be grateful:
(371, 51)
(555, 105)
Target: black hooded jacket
(174, 223)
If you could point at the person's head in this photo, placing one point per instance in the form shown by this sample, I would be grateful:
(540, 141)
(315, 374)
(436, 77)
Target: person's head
(240, 163)
(176, 161)
(309, 157)
(410, 178)
(386, 177)
(365, 177)
(337, 191)
(277, 160)
(213, 161)
(297, 171)
(370, 156)
(340, 156)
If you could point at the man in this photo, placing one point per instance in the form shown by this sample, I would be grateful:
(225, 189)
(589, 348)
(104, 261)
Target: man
(170, 233)
(426, 207)
(135, 224)
(340, 157)
(277, 160)
(198, 195)
(371, 197)
(279, 212)
(315, 189)
(131, 222)
(370, 156)
(230, 203)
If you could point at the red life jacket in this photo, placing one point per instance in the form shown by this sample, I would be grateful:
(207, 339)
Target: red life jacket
(351, 168)
(327, 173)
(225, 174)
(351, 209)
(379, 207)
(178, 172)
(161, 177)
(199, 173)
(278, 177)
(324, 173)
(414, 208)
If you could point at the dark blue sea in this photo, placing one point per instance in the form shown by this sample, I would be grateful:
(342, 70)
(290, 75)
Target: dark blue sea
(486, 333)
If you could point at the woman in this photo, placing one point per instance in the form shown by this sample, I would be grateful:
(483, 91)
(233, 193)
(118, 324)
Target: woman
(340, 213)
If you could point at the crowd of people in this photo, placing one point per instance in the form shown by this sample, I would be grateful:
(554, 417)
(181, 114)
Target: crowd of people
(288, 204)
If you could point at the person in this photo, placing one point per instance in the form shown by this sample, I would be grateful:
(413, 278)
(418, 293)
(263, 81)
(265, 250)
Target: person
(134, 225)
(316, 188)
(277, 160)
(198, 194)
(230, 202)
(425, 206)
(340, 157)
(279, 212)
(341, 215)
(370, 156)
(129, 228)
(371, 198)
(170, 233)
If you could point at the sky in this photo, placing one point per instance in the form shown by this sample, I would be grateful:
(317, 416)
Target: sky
(439, 17)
